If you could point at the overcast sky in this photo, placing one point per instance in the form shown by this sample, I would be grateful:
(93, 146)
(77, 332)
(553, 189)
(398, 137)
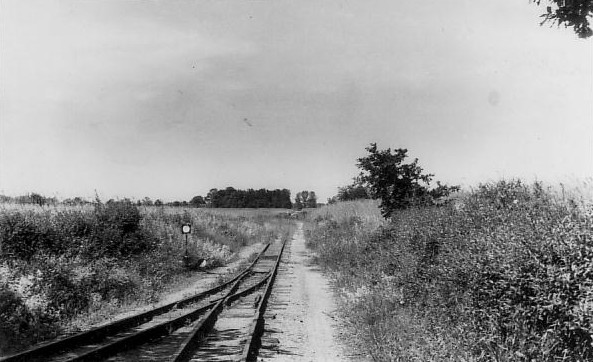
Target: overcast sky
(168, 99)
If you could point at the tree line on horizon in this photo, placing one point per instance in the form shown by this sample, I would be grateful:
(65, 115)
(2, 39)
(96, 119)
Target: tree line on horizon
(250, 198)
(224, 198)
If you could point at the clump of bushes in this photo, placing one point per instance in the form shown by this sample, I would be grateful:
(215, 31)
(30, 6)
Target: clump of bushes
(117, 231)
(111, 230)
(503, 273)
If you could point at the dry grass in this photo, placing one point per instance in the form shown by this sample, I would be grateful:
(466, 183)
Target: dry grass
(366, 211)
(504, 274)
(5, 206)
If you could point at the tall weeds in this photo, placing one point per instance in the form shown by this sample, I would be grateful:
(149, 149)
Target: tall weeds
(505, 273)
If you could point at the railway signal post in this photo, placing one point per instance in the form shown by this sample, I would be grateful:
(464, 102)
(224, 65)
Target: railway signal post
(186, 230)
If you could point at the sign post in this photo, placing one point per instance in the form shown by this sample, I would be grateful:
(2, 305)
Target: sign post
(186, 230)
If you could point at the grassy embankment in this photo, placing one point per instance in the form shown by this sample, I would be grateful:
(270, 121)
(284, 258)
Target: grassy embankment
(503, 274)
(65, 268)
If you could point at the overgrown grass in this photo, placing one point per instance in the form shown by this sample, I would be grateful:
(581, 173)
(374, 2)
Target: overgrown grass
(64, 268)
(366, 212)
(503, 274)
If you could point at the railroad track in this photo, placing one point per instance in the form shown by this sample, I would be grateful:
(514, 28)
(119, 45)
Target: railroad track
(223, 323)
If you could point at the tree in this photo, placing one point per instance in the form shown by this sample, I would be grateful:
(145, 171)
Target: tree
(37, 199)
(399, 185)
(305, 199)
(197, 201)
(574, 13)
(298, 203)
(284, 199)
(211, 198)
(250, 198)
(158, 202)
(312, 200)
(300, 200)
(78, 201)
(355, 191)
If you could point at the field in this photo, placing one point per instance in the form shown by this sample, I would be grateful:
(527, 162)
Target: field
(65, 268)
(502, 273)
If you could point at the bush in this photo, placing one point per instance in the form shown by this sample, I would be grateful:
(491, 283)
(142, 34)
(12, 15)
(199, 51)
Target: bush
(113, 281)
(115, 231)
(112, 230)
(73, 228)
(15, 318)
(23, 234)
(20, 326)
(122, 216)
(66, 296)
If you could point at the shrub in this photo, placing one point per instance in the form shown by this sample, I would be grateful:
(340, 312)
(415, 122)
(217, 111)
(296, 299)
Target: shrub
(108, 279)
(20, 326)
(113, 230)
(73, 228)
(22, 234)
(122, 216)
(65, 295)
(116, 231)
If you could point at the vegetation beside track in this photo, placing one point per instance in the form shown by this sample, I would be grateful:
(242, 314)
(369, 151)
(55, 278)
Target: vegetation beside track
(65, 268)
(504, 273)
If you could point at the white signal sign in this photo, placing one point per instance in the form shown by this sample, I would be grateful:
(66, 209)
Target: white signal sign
(186, 229)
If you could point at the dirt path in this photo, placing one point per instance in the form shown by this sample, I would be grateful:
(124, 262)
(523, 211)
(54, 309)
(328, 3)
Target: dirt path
(300, 322)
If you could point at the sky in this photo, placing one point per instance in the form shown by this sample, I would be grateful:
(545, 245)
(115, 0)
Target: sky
(169, 98)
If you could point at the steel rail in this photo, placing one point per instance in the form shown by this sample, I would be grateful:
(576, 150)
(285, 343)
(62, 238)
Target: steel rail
(140, 337)
(101, 332)
(155, 331)
(256, 329)
(187, 347)
(190, 344)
